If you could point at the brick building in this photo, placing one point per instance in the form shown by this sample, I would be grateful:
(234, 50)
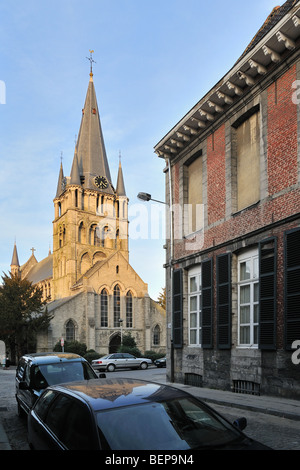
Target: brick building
(233, 257)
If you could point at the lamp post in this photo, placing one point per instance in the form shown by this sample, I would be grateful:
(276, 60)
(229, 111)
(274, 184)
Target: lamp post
(147, 197)
(121, 324)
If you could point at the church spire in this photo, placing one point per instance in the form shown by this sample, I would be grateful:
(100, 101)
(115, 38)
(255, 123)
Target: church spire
(120, 182)
(60, 184)
(90, 147)
(15, 265)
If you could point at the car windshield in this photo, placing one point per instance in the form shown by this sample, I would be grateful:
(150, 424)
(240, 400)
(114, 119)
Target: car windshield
(169, 425)
(51, 374)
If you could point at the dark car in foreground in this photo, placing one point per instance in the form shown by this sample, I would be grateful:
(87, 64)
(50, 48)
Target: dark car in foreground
(128, 414)
(35, 372)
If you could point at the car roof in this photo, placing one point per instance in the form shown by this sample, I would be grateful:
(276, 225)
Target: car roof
(112, 393)
(51, 357)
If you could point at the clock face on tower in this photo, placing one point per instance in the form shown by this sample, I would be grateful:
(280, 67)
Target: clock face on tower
(101, 182)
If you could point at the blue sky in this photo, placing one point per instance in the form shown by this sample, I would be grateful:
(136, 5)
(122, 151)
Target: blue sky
(154, 61)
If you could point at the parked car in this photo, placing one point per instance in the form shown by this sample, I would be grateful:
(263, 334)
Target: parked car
(120, 360)
(129, 414)
(161, 362)
(36, 371)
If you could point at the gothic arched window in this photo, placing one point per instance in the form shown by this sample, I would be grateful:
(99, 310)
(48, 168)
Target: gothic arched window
(104, 308)
(117, 306)
(156, 335)
(70, 331)
(129, 310)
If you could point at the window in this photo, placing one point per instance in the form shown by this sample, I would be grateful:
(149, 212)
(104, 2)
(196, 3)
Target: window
(195, 306)
(129, 310)
(70, 331)
(117, 310)
(248, 298)
(156, 335)
(104, 308)
(248, 161)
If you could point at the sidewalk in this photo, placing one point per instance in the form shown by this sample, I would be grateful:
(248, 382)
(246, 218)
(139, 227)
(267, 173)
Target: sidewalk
(283, 407)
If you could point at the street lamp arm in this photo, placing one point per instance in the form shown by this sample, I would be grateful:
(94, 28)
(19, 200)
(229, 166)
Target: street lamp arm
(148, 197)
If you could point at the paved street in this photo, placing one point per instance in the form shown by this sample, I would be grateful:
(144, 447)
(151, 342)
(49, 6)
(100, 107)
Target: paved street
(274, 431)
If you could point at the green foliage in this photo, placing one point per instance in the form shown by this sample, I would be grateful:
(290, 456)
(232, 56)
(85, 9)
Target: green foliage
(74, 347)
(129, 345)
(154, 355)
(90, 355)
(21, 314)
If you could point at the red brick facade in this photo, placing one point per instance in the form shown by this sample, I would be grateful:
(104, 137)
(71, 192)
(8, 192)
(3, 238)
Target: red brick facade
(266, 232)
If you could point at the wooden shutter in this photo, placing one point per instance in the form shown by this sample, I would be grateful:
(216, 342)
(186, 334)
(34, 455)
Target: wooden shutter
(267, 293)
(207, 304)
(292, 287)
(224, 301)
(177, 309)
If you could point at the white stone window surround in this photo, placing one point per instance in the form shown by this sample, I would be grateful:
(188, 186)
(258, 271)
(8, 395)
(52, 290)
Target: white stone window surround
(248, 299)
(194, 306)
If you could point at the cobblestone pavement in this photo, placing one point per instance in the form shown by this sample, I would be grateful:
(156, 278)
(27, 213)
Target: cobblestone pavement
(276, 432)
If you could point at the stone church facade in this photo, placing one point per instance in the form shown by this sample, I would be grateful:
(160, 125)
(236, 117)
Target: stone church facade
(93, 292)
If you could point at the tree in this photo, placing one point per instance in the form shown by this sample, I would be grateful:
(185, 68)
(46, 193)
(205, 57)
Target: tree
(161, 300)
(22, 314)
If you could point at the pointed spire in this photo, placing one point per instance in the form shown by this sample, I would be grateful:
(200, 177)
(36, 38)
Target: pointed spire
(91, 153)
(75, 176)
(120, 182)
(15, 258)
(60, 181)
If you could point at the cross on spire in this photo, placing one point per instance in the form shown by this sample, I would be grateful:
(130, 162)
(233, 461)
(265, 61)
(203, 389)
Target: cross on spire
(33, 250)
(91, 61)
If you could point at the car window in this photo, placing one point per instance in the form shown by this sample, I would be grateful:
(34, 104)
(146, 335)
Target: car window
(27, 374)
(51, 374)
(71, 423)
(43, 403)
(20, 370)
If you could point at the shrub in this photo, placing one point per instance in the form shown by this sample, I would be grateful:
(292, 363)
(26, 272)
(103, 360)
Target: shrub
(72, 347)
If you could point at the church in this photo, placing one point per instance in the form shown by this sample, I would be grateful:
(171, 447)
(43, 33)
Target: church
(94, 294)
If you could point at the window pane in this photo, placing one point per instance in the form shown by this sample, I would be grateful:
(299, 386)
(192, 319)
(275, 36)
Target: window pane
(193, 336)
(255, 268)
(255, 314)
(193, 284)
(245, 335)
(245, 314)
(245, 270)
(245, 295)
(193, 320)
(256, 292)
(193, 304)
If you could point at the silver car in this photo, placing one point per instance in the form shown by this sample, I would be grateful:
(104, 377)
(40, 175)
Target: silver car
(120, 360)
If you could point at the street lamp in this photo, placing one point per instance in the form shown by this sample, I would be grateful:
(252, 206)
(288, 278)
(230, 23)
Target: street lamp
(121, 321)
(147, 197)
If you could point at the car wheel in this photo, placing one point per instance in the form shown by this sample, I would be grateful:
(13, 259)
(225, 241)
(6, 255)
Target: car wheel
(111, 367)
(144, 365)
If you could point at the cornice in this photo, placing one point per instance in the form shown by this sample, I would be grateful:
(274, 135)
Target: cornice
(271, 52)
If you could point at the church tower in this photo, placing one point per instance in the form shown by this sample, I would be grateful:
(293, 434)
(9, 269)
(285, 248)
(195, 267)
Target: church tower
(91, 216)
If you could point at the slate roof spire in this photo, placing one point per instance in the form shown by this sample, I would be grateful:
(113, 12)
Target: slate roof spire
(120, 182)
(60, 181)
(90, 148)
(15, 258)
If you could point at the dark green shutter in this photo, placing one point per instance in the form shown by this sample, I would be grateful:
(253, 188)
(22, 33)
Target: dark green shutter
(177, 309)
(267, 293)
(224, 301)
(207, 304)
(292, 287)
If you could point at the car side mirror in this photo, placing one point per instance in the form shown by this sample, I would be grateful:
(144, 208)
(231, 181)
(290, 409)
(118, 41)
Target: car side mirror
(102, 376)
(240, 423)
(23, 386)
